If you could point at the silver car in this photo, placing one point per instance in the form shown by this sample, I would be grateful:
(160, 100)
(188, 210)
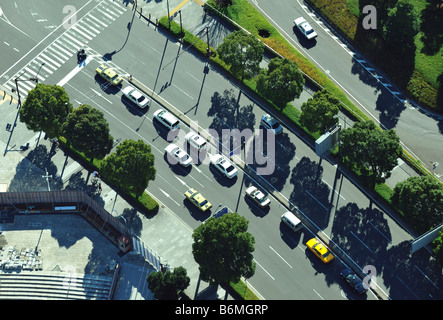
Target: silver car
(167, 119)
(270, 123)
(178, 155)
(135, 97)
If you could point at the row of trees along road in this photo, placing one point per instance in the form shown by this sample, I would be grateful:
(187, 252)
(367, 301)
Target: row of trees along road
(365, 148)
(47, 108)
(223, 249)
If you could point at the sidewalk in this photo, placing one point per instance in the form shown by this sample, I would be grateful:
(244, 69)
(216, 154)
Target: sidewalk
(169, 237)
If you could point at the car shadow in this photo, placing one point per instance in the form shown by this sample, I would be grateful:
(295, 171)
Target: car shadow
(255, 209)
(291, 238)
(106, 87)
(177, 168)
(221, 179)
(163, 132)
(136, 111)
(305, 43)
(195, 212)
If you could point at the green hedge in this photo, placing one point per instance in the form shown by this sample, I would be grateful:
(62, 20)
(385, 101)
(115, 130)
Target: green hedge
(145, 201)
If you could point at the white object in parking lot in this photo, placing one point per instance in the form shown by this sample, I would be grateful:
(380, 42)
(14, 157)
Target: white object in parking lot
(135, 96)
(305, 28)
(224, 166)
(167, 119)
(179, 155)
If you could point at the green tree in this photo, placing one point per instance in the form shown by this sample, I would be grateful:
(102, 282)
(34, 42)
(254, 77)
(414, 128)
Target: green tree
(131, 167)
(319, 112)
(87, 130)
(168, 285)
(367, 147)
(281, 83)
(243, 52)
(45, 109)
(223, 3)
(223, 249)
(401, 26)
(420, 198)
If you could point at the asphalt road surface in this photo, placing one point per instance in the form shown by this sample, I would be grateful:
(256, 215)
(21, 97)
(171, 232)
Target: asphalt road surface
(331, 202)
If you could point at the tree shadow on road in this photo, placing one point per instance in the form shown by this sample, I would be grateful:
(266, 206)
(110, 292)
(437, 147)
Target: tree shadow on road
(310, 194)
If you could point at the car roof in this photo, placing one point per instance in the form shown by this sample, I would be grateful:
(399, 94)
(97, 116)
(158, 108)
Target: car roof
(128, 89)
(136, 94)
(169, 116)
(269, 119)
(306, 26)
(171, 147)
(195, 136)
(250, 189)
(299, 20)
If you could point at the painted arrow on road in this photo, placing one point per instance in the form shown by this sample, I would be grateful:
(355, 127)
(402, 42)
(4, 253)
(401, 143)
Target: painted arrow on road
(169, 196)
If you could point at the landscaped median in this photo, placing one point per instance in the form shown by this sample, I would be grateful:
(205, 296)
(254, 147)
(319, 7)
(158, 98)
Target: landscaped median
(145, 203)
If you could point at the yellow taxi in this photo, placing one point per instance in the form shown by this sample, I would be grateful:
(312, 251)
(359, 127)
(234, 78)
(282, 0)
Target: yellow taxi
(198, 200)
(320, 250)
(108, 74)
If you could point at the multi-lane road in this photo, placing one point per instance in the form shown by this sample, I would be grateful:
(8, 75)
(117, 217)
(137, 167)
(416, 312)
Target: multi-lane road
(366, 87)
(328, 200)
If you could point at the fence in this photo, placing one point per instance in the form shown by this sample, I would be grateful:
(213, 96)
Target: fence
(65, 201)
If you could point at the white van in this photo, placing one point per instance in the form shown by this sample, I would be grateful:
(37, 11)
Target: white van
(291, 221)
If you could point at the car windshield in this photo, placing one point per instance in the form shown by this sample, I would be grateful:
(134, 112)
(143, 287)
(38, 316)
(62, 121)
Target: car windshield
(263, 199)
(275, 125)
(141, 98)
(114, 77)
(203, 203)
(230, 168)
(309, 31)
(326, 255)
(183, 156)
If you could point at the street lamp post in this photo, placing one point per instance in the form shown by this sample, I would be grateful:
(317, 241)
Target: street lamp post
(16, 80)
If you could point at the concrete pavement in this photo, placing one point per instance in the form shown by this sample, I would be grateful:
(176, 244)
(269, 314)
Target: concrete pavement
(25, 170)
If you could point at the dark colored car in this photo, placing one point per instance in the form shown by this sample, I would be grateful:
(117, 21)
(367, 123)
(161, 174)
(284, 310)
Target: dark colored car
(353, 280)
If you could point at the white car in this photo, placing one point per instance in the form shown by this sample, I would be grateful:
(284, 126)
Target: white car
(196, 141)
(305, 28)
(258, 197)
(167, 119)
(224, 166)
(178, 155)
(270, 123)
(135, 96)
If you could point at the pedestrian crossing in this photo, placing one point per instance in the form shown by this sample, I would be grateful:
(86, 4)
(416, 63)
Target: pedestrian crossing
(66, 45)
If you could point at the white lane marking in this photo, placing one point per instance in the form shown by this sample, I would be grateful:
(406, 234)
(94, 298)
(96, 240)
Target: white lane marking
(361, 242)
(280, 256)
(100, 95)
(169, 197)
(426, 277)
(73, 72)
(184, 92)
(18, 61)
(264, 269)
(318, 294)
